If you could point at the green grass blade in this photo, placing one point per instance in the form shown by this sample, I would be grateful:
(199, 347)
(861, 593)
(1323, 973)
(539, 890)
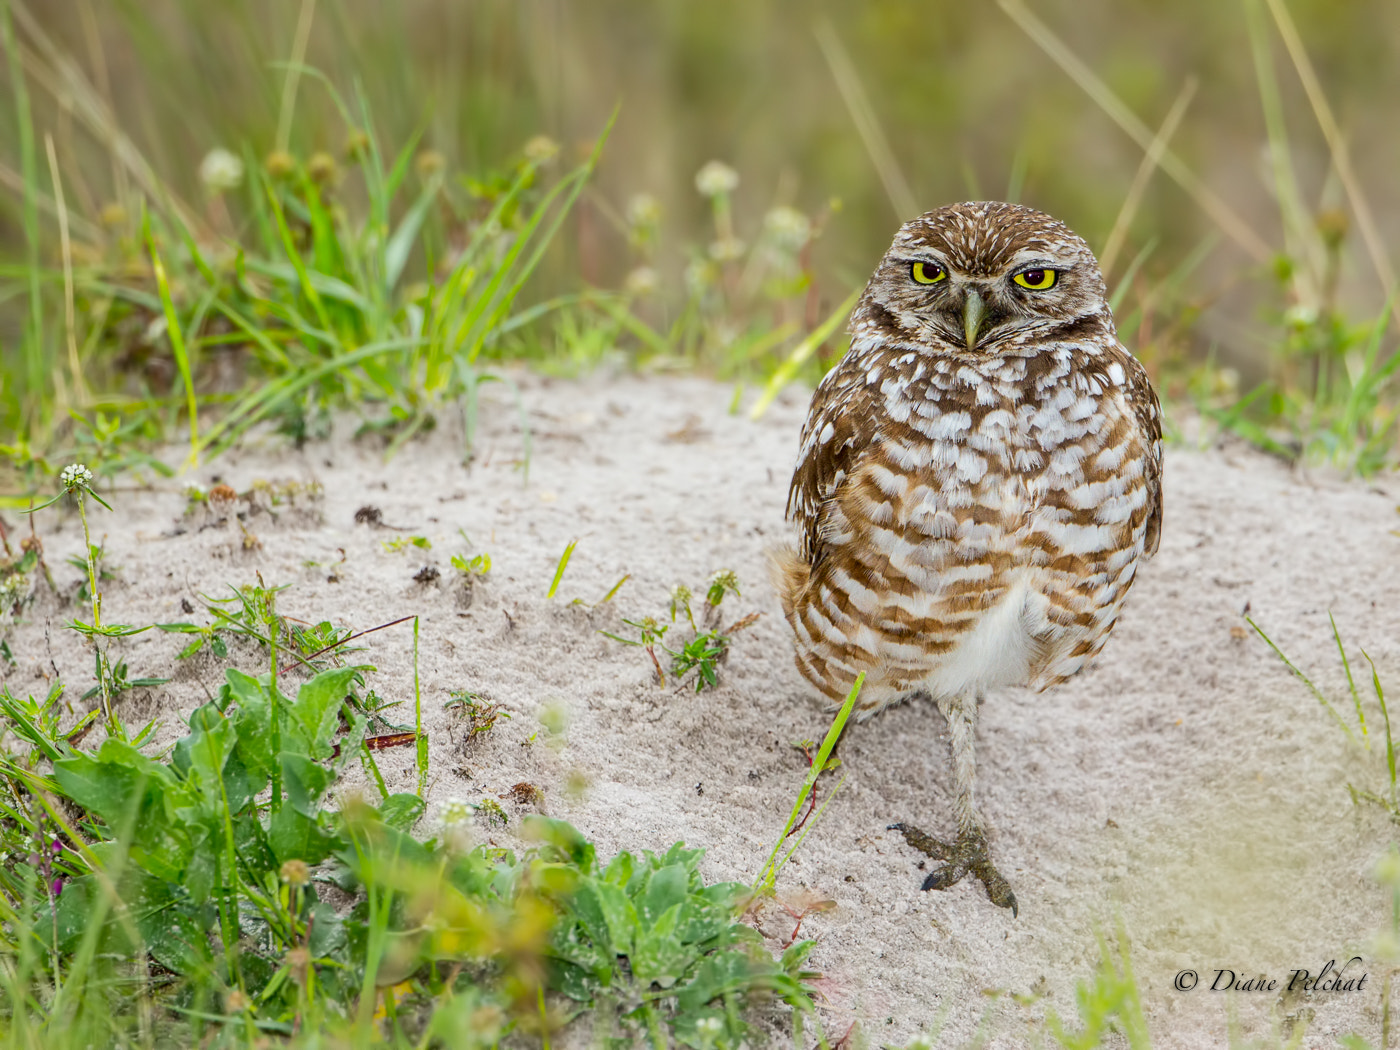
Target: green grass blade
(769, 874)
(173, 330)
(1351, 684)
(1389, 740)
(36, 364)
(563, 564)
(1304, 679)
(788, 370)
(400, 244)
(422, 742)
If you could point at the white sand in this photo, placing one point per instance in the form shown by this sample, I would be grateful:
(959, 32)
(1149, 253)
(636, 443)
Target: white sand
(1186, 785)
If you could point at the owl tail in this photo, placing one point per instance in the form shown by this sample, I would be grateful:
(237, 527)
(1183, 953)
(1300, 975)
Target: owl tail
(789, 573)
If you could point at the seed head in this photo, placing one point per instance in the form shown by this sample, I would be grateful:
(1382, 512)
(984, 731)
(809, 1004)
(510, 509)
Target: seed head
(220, 171)
(787, 228)
(541, 149)
(643, 210)
(322, 168)
(1332, 224)
(642, 281)
(295, 872)
(727, 250)
(236, 1002)
(279, 163)
(356, 144)
(429, 163)
(716, 178)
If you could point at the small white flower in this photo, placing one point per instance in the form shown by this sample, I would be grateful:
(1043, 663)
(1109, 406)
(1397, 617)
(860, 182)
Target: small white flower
(1388, 868)
(642, 281)
(715, 178)
(788, 228)
(699, 276)
(643, 210)
(455, 811)
(74, 476)
(708, 1028)
(220, 171)
(727, 250)
(1300, 316)
(541, 149)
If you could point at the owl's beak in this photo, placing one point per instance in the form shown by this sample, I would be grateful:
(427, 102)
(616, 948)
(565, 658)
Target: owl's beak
(974, 312)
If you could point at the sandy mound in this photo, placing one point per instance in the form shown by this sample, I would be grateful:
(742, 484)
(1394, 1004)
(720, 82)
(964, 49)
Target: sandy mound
(1186, 785)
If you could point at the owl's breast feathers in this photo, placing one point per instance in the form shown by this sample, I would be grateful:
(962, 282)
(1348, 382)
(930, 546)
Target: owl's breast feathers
(969, 522)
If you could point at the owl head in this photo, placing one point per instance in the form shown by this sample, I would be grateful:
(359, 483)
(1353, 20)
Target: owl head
(980, 278)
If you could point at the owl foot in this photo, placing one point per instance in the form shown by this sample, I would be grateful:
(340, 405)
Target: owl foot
(967, 855)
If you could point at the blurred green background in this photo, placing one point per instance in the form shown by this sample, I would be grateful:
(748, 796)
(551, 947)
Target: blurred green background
(879, 108)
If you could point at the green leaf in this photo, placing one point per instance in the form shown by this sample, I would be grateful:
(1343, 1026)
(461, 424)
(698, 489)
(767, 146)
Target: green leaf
(295, 836)
(665, 889)
(304, 782)
(659, 954)
(316, 710)
(719, 974)
(402, 811)
(401, 243)
(619, 916)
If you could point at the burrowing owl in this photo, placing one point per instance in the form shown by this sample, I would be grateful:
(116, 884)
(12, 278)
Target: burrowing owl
(978, 480)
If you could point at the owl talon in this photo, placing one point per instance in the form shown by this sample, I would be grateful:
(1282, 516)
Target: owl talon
(968, 855)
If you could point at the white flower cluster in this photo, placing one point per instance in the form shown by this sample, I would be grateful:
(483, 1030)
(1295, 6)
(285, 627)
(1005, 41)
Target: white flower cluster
(787, 228)
(643, 210)
(642, 281)
(455, 811)
(220, 171)
(715, 178)
(74, 476)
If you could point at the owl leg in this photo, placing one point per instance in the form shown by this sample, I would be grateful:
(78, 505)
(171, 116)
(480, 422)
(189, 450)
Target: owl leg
(969, 854)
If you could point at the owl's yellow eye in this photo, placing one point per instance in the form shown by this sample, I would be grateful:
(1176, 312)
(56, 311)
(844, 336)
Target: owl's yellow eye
(1037, 280)
(927, 273)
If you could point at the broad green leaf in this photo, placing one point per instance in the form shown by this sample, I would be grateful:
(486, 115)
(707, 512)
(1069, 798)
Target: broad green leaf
(136, 797)
(619, 916)
(571, 980)
(659, 954)
(304, 782)
(718, 974)
(295, 836)
(667, 888)
(316, 710)
(402, 811)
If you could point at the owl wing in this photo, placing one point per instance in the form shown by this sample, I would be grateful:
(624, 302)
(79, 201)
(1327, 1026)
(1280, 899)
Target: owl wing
(841, 425)
(1148, 413)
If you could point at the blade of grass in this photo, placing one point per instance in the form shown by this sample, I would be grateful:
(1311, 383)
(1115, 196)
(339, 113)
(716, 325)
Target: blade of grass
(787, 371)
(257, 405)
(177, 338)
(843, 71)
(422, 743)
(769, 873)
(1389, 740)
(1341, 157)
(1351, 684)
(1223, 215)
(563, 564)
(1299, 231)
(35, 365)
(293, 75)
(1151, 160)
(1304, 679)
(70, 312)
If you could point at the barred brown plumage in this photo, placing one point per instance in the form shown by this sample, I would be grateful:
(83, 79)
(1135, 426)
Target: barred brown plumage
(978, 480)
